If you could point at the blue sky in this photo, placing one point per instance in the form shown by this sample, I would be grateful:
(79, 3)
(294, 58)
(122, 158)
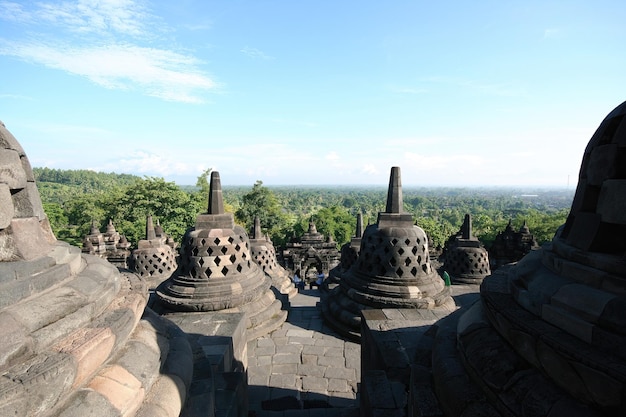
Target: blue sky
(465, 93)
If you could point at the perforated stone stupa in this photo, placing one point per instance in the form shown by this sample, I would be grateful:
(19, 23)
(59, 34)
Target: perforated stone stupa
(74, 342)
(349, 253)
(392, 271)
(311, 252)
(465, 257)
(155, 256)
(548, 336)
(264, 254)
(110, 245)
(511, 246)
(216, 271)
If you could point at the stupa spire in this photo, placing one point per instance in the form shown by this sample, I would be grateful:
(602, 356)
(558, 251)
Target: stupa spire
(256, 230)
(359, 225)
(466, 229)
(216, 203)
(394, 193)
(150, 234)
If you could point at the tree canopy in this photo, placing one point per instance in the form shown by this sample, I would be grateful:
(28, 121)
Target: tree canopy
(71, 205)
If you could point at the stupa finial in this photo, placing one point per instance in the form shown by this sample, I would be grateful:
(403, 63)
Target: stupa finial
(359, 225)
(466, 229)
(150, 233)
(256, 230)
(394, 193)
(216, 203)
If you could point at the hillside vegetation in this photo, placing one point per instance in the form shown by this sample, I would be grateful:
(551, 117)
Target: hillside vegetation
(73, 198)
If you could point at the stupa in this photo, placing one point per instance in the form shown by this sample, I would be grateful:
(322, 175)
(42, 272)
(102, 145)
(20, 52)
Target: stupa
(216, 271)
(547, 336)
(465, 257)
(510, 246)
(264, 254)
(392, 271)
(74, 342)
(310, 253)
(110, 245)
(349, 254)
(155, 256)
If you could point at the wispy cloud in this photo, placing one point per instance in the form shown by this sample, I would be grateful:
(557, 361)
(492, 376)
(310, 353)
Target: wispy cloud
(15, 96)
(550, 33)
(406, 90)
(122, 16)
(157, 72)
(421, 162)
(255, 53)
(492, 89)
(117, 60)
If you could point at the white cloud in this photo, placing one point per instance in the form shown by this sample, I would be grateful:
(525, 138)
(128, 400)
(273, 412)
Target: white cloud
(550, 33)
(149, 163)
(83, 16)
(255, 53)
(159, 73)
(108, 58)
(370, 169)
(442, 162)
(332, 156)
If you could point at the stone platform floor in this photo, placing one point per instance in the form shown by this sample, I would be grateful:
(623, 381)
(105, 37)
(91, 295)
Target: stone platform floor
(304, 368)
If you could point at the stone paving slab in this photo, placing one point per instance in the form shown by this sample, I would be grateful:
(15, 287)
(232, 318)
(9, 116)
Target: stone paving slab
(303, 368)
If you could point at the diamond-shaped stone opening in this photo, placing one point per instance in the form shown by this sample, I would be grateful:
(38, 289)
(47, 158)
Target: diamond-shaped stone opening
(237, 247)
(224, 249)
(414, 271)
(217, 241)
(230, 239)
(400, 251)
(202, 242)
(399, 271)
(195, 251)
(244, 256)
(392, 261)
(414, 250)
(201, 261)
(419, 259)
(208, 272)
(425, 268)
(394, 241)
(217, 260)
(232, 258)
(417, 239)
(239, 268)
(407, 242)
(407, 261)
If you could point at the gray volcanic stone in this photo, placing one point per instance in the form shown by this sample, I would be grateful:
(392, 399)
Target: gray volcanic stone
(393, 270)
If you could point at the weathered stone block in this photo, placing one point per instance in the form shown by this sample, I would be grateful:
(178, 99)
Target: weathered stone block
(612, 202)
(7, 211)
(23, 240)
(602, 164)
(11, 171)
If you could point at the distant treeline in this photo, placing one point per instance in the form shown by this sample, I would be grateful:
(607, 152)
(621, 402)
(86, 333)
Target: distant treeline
(72, 198)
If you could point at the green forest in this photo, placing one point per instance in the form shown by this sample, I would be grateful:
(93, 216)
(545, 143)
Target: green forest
(73, 198)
